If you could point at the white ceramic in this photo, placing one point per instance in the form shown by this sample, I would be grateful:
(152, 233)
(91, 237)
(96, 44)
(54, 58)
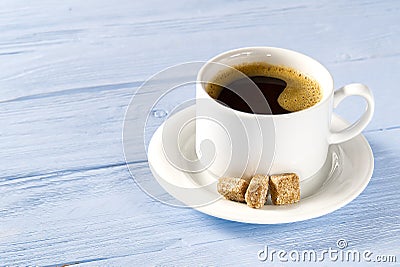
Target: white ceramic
(341, 179)
(233, 143)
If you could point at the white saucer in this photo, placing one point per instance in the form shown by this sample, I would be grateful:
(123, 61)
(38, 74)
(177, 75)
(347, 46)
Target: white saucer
(344, 176)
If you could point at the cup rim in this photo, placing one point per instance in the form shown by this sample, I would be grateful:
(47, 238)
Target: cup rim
(216, 58)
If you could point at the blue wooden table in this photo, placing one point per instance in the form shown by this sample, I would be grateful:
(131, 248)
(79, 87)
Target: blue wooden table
(68, 70)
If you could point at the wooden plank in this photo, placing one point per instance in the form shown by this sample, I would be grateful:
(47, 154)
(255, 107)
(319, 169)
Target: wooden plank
(72, 45)
(82, 128)
(101, 216)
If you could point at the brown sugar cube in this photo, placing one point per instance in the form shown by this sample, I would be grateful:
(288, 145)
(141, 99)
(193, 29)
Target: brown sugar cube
(257, 192)
(284, 188)
(232, 188)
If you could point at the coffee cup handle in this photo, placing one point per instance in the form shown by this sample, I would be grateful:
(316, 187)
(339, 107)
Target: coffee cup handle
(356, 128)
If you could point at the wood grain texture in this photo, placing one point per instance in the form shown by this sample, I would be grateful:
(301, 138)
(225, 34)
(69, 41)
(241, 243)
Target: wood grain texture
(68, 72)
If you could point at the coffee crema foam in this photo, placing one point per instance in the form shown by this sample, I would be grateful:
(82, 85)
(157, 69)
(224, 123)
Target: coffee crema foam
(300, 93)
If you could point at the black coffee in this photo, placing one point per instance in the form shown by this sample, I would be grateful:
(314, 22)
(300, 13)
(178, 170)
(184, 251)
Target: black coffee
(270, 87)
(264, 89)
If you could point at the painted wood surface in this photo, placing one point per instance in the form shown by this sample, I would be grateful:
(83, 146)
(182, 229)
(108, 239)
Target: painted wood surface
(68, 72)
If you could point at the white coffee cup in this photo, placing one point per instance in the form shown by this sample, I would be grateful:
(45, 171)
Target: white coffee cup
(238, 144)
